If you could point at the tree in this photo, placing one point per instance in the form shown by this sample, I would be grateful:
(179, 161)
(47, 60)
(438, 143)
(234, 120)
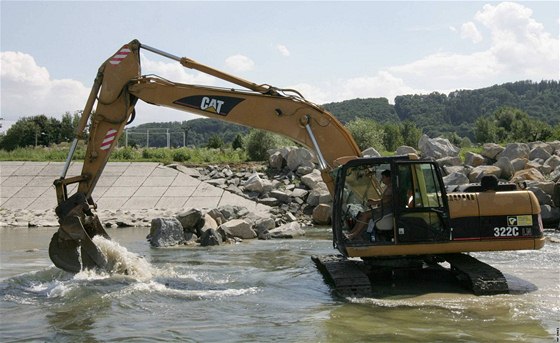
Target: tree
(486, 130)
(392, 137)
(215, 142)
(367, 133)
(258, 142)
(237, 142)
(411, 134)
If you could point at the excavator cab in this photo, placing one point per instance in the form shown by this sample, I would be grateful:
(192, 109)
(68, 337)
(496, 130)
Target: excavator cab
(413, 210)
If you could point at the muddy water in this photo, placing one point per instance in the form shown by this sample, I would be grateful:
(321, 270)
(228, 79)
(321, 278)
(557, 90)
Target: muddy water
(254, 292)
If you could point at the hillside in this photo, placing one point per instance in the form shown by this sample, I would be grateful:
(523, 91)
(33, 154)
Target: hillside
(435, 113)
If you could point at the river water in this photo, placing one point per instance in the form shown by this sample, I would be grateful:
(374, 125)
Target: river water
(257, 291)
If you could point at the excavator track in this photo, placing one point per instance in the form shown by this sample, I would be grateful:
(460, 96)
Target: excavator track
(480, 277)
(353, 278)
(345, 276)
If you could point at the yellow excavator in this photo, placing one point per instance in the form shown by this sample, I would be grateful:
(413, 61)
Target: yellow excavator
(420, 222)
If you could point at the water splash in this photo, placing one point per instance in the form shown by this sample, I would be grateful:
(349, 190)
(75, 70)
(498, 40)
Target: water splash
(121, 261)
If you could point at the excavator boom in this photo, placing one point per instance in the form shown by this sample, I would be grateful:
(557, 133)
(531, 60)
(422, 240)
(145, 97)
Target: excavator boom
(119, 85)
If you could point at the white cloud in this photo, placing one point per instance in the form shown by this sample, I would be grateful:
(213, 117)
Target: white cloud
(520, 49)
(520, 43)
(28, 89)
(240, 63)
(469, 31)
(283, 50)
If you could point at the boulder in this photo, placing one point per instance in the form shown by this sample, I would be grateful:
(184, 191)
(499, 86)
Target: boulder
(370, 152)
(455, 179)
(210, 237)
(290, 230)
(318, 196)
(298, 157)
(491, 150)
(437, 147)
(506, 166)
(191, 220)
(254, 183)
(539, 153)
(477, 173)
(405, 150)
(276, 161)
(322, 214)
(165, 232)
(281, 196)
(518, 163)
(530, 174)
(240, 228)
(515, 150)
(313, 179)
(473, 159)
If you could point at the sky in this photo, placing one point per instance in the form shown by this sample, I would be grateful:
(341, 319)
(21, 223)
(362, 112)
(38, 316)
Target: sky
(330, 51)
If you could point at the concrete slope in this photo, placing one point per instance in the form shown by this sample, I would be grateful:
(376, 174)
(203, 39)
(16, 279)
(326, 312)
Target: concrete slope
(123, 185)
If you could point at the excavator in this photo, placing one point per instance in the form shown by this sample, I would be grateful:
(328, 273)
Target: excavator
(421, 223)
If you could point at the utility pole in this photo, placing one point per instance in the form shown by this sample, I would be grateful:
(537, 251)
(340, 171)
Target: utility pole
(147, 138)
(168, 140)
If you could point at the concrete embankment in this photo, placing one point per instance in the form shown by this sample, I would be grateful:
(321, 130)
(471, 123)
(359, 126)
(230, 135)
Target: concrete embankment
(130, 191)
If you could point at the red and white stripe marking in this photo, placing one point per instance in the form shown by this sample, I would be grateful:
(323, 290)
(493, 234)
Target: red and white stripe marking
(108, 140)
(120, 56)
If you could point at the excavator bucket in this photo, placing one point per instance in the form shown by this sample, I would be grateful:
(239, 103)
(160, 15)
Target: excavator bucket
(72, 249)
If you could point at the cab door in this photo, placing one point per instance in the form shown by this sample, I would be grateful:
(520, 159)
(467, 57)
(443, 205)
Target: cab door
(421, 210)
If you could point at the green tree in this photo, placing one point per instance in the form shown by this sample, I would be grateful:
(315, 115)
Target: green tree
(258, 142)
(215, 142)
(411, 133)
(392, 137)
(237, 142)
(486, 130)
(367, 133)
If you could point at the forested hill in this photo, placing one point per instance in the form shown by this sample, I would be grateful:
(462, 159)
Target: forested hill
(434, 113)
(437, 113)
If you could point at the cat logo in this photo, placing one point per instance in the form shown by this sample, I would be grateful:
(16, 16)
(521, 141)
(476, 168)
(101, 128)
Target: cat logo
(211, 105)
(220, 105)
(524, 220)
(512, 221)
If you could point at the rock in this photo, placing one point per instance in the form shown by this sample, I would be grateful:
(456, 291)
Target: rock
(473, 159)
(531, 174)
(313, 179)
(281, 196)
(437, 147)
(451, 161)
(191, 220)
(319, 196)
(290, 230)
(506, 167)
(491, 150)
(254, 183)
(298, 157)
(210, 237)
(539, 153)
(240, 228)
(299, 193)
(553, 162)
(217, 216)
(405, 150)
(322, 214)
(544, 198)
(518, 163)
(550, 215)
(165, 232)
(455, 178)
(515, 150)
(276, 161)
(477, 173)
(370, 152)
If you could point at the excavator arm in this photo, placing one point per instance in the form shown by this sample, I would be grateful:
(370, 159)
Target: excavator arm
(118, 86)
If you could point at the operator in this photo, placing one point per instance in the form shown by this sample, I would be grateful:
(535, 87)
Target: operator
(383, 207)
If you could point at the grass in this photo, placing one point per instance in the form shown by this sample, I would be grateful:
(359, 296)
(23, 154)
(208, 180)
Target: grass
(128, 154)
